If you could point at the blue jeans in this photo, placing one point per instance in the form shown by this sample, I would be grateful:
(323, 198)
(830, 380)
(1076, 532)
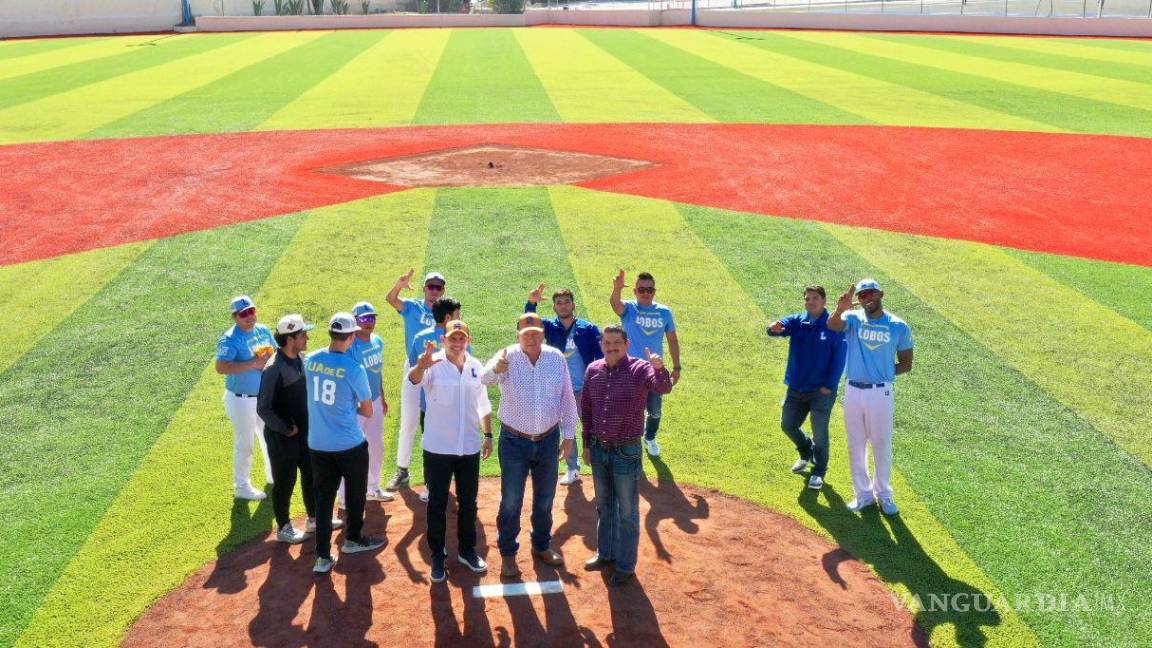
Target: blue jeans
(798, 406)
(616, 474)
(655, 408)
(518, 459)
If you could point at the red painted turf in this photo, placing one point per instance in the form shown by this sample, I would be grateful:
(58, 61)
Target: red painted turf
(1081, 195)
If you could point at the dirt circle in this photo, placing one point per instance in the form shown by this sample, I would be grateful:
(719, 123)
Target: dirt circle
(713, 570)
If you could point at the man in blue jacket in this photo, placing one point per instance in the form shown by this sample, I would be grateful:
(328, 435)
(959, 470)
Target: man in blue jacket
(579, 340)
(816, 357)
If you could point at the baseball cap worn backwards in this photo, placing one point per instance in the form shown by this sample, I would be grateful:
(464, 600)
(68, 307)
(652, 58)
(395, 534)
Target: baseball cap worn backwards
(243, 302)
(529, 322)
(434, 276)
(455, 327)
(867, 284)
(363, 308)
(343, 323)
(293, 323)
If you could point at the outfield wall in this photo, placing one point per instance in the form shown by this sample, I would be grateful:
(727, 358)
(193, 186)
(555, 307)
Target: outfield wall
(51, 17)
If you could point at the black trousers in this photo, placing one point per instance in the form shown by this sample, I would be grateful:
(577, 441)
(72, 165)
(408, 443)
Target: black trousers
(439, 469)
(330, 467)
(289, 455)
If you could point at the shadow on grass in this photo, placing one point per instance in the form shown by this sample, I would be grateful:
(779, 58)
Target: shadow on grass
(249, 520)
(667, 501)
(889, 546)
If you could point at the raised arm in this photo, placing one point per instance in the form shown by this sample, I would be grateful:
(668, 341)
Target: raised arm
(843, 305)
(496, 371)
(423, 363)
(403, 283)
(617, 286)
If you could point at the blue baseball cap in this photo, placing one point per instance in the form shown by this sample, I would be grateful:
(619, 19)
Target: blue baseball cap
(363, 308)
(243, 302)
(867, 284)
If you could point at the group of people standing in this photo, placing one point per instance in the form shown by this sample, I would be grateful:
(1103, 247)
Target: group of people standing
(320, 415)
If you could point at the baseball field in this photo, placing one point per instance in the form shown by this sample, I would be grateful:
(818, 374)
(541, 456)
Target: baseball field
(997, 187)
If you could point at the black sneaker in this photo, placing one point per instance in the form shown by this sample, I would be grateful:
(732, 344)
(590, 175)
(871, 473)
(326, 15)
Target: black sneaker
(399, 481)
(367, 543)
(439, 573)
(470, 560)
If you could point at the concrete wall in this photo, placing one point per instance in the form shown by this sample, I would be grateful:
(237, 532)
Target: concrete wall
(43, 17)
(895, 22)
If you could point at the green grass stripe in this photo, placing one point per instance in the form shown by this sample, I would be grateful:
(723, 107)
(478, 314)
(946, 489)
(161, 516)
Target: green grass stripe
(182, 488)
(932, 51)
(36, 297)
(719, 91)
(995, 459)
(483, 77)
(13, 49)
(78, 74)
(587, 84)
(721, 421)
(380, 87)
(1080, 48)
(1051, 58)
(1136, 45)
(66, 52)
(1121, 287)
(1087, 356)
(85, 405)
(72, 114)
(873, 99)
(1050, 110)
(249, 95)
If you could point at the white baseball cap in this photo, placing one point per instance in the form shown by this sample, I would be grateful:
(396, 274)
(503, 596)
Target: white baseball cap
(867, 284)
(293, 323)
(434, 275)
(343, 323)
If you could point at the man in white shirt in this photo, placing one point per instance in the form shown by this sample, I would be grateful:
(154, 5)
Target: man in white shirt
(458, 408)
(537, 408)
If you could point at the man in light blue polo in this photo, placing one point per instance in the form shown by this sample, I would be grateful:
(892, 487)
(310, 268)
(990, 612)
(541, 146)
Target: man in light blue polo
(417, 315)
(241, 354)
(338, 391)
(879, 349)
(647, 323)
(368, 348)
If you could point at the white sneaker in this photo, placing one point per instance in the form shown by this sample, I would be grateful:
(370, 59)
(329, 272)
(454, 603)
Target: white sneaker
(310, 525)
(424, 495)
(380, 495)
(800, 466)
(324, 565)
(815, 482)
(250, 493)
(858, 505)
(290, 534)
(888, 506)
(653, 447)
(570, 477)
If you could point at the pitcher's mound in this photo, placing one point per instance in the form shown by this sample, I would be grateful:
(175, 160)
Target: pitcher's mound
(713, 570)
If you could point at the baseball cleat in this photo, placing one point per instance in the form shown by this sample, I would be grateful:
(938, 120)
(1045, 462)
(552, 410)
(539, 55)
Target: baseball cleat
(888, 505)
(815, 482)
(858, 505)
(800, 466)
(380, 495)
(250, 493)
(399, 480)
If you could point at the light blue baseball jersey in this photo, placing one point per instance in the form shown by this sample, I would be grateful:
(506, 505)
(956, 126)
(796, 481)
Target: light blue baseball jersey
(646, 326)
(336, 385)
(576, 366)
(370, 354)
(416, 349)
(872, 346)
(417, 317)
(239, 346)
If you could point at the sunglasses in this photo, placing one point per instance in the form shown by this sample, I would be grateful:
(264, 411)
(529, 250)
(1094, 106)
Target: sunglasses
(366, 319)
(437, 287)
(865, 294)
(646, 291)
(247, 312)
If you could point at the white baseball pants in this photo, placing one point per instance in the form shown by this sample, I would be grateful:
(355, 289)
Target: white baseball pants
(868, 417)
(373, 429)
(246, 425)
(409, 419)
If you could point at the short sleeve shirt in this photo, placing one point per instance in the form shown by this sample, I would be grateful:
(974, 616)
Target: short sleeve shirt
(646, 326)
(371, 357)
(872, 346)
(236, 345)
(417, 316)
(337, 383)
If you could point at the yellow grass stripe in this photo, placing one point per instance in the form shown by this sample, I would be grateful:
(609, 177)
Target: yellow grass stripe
(72, 114)
(1077, 47)
(380, 87)
(587, 84)
(604, 231)
(1087, 356)
(1087, 86)
(87, 52)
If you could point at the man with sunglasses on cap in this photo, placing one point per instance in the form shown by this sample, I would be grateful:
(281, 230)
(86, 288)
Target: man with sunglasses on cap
(241, 354)
(369, 349)
(417, 315)
(338, 390)
(647, 323)
(458, 410)
(879, 349)
(537, 410)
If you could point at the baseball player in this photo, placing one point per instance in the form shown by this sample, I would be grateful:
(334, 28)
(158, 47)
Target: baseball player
(241, 354)
(417, 314)
(368, 348)
(879, 349)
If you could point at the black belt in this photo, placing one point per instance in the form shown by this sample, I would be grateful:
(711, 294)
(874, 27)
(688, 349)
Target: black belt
(609, 446)
(239, 395)
(864, 385)
(536, 438)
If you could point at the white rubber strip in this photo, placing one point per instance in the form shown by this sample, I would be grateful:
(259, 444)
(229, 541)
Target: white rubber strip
(499, 590)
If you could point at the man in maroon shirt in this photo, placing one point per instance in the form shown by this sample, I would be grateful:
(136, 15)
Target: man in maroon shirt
(612, 403)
